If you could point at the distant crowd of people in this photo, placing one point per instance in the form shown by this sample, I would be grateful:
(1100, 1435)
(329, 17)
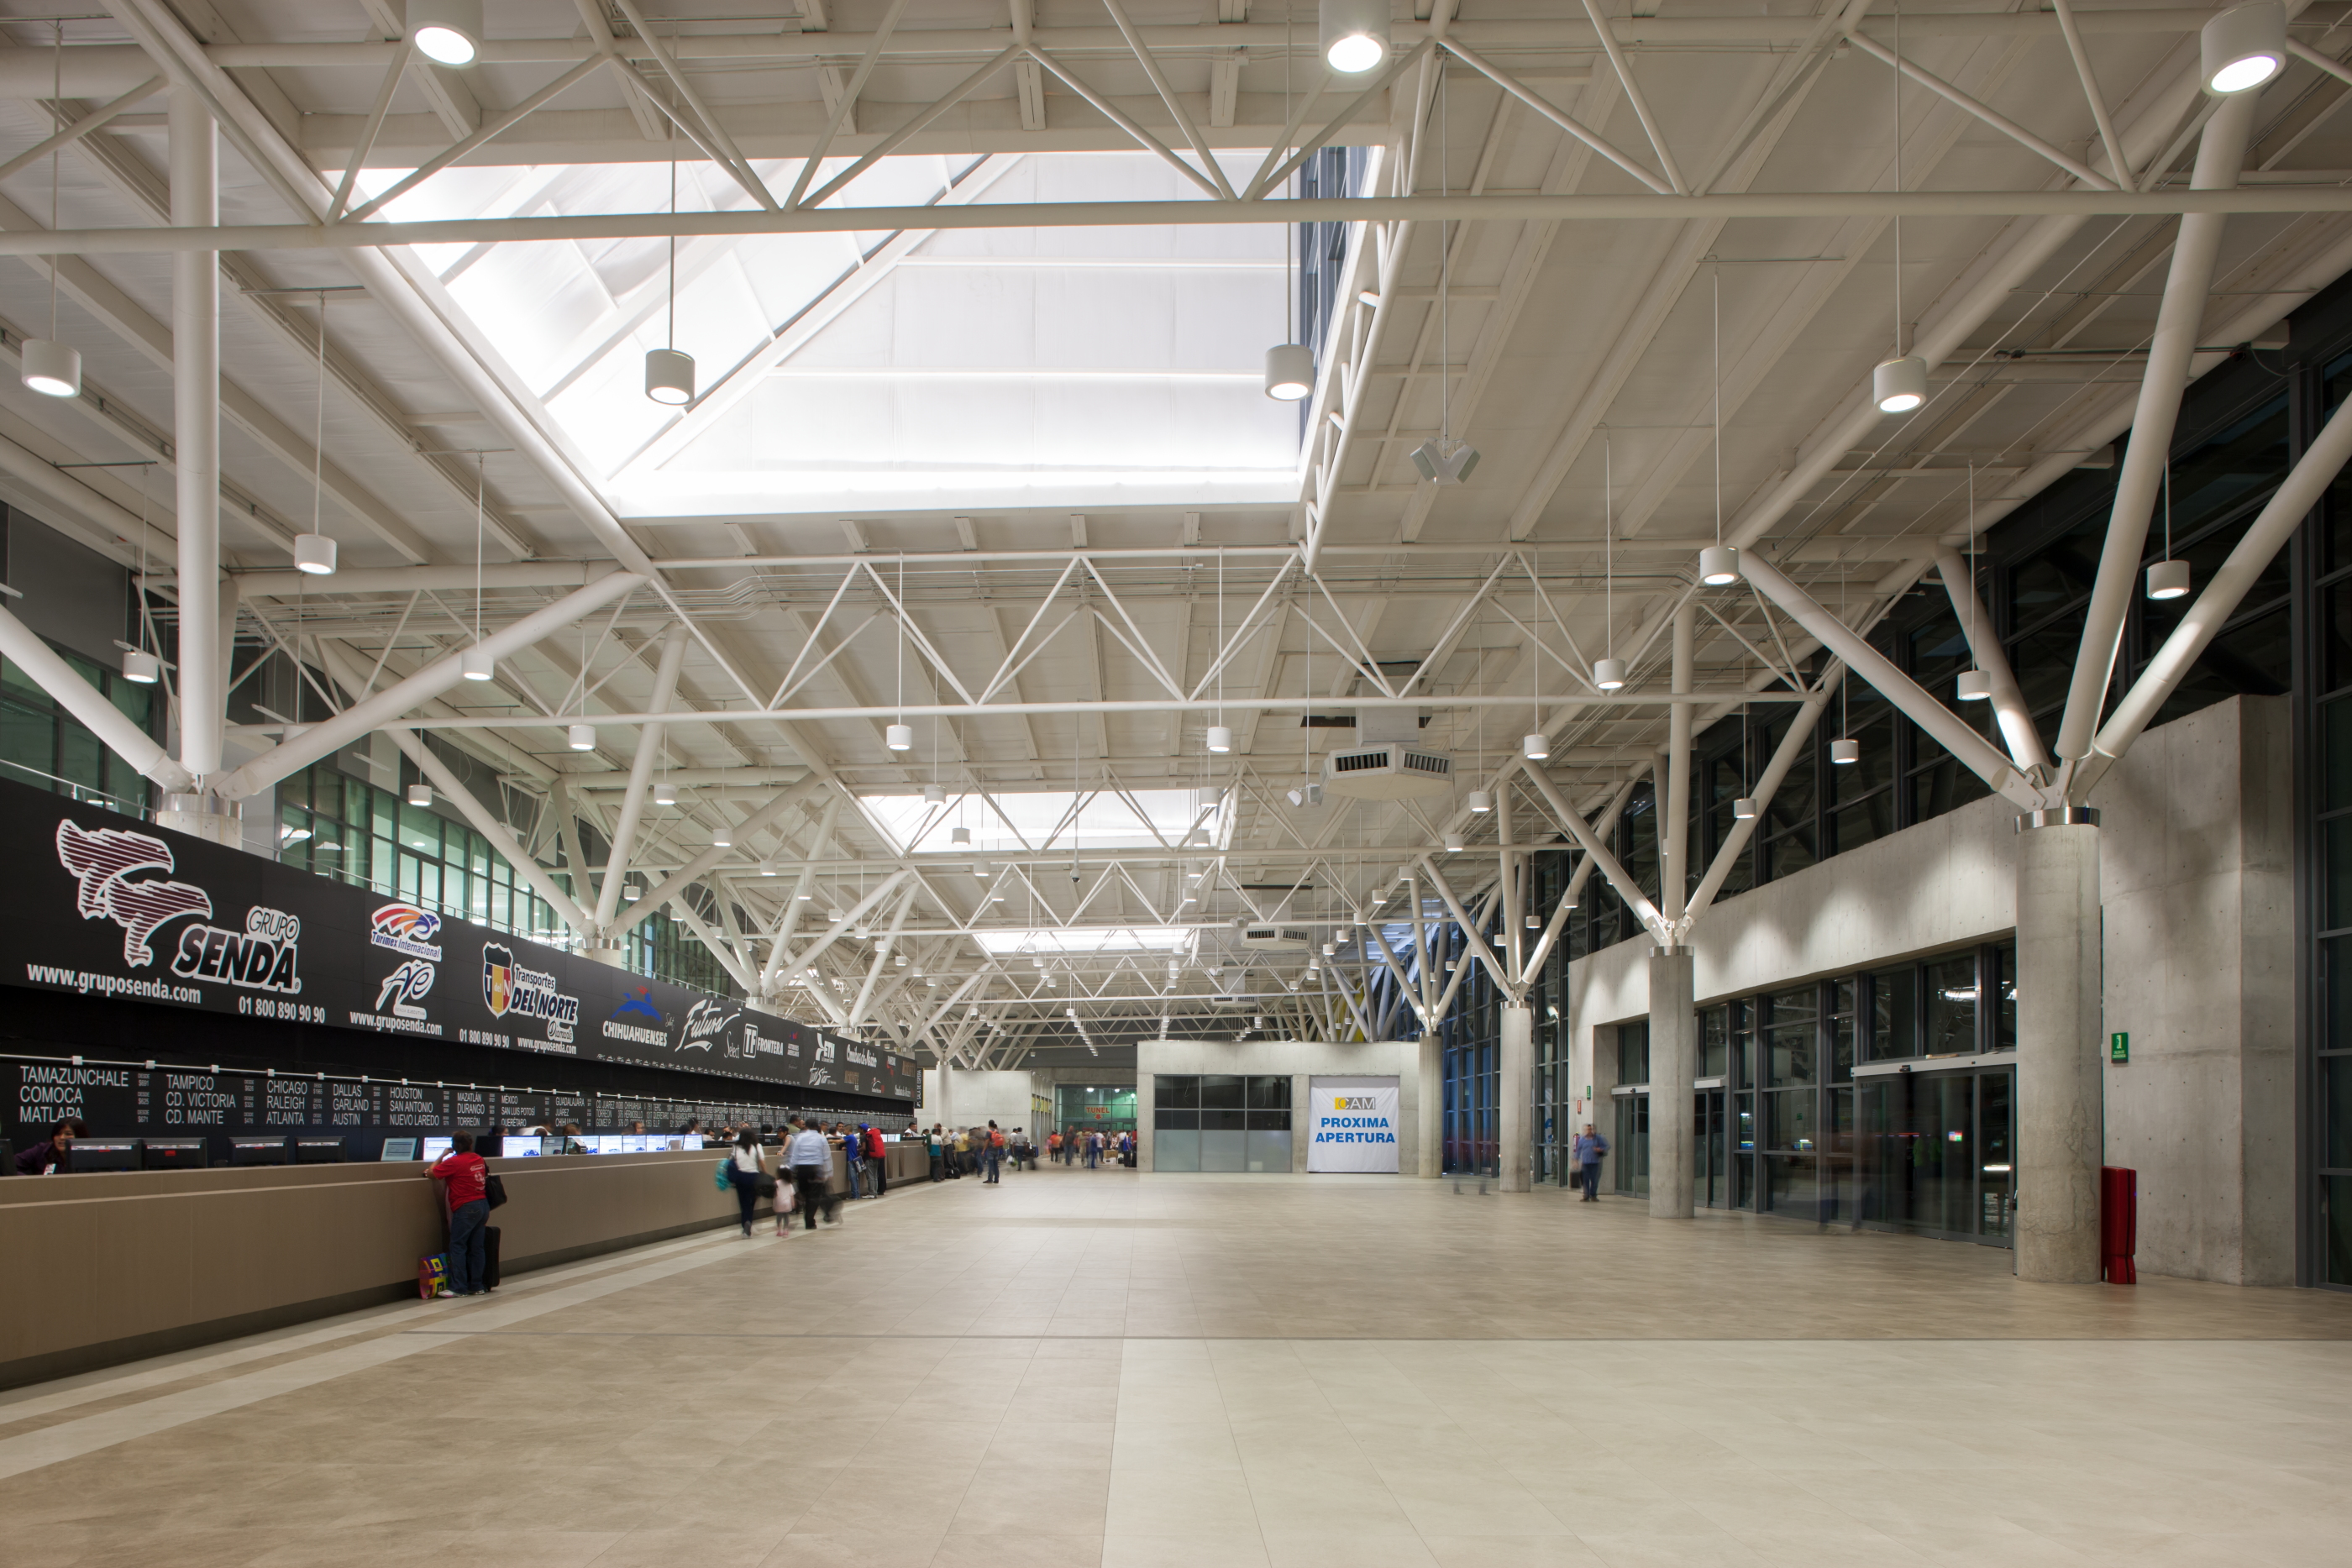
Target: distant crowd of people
(1091, 1146)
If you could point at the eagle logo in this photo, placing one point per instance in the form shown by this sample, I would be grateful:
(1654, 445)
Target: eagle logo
(103, 861)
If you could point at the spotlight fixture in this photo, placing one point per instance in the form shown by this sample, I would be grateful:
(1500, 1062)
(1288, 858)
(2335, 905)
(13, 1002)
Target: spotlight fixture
(665, 794)
(480, 663)
(1308, 796)
(53, 370)
(670, 376)
(1972, 687)
(447, 32)
(314, 553)
(1481, 803)
(2169, 579)
(2243, 47)
(722, 837)
(1899, 386)
(1743, 809)
(1220, 739)
(1718, 565)
(420, 794)
(141, 668)
(1535, 748)
(582, 737)
(934, 795)
(959, 837)
(1845, 752)
(1442, 462)
(1354, 33)
(1609, 675)
(1290, 371)
(899, 738)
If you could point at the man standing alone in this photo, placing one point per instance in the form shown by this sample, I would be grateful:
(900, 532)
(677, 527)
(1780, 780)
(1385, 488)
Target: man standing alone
(1589, 1147)
(469, 1210)
(808, 1160)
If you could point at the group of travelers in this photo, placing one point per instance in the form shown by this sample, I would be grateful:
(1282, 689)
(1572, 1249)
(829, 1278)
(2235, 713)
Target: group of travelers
(800, 1180)
(984, 1152)
(1091, 1146)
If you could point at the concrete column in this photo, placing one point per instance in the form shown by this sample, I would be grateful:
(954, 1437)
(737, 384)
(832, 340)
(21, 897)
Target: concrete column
(2060, 1119)
(1432, 1117)
(1515, 1063)
(195, 166)
(1673, 1054)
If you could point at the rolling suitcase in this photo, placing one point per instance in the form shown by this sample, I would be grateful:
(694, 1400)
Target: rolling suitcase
(489, 1257)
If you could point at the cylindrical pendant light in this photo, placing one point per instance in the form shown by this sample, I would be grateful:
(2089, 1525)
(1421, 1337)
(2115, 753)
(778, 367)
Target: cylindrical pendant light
(665, 794)
(1743, 809)
(447, 32)
(1481, 801)
(899, 738)
(1535, 748)
(1609, 675)
(141, 668)
(1972, 687)
(1718, 565)
(633, 890)
(1899, 386)
(934, 795)
(420, 794)
(1290, 371)
(1454, 844)
(2168, 579)
(53, 370)
(2243, 47)
(314, 553)
(1220, 739)
(670, 376)
(582, 737)
(1845, 752)
(959, 836)
(1354, 33)
(722, 837)
(479, 664)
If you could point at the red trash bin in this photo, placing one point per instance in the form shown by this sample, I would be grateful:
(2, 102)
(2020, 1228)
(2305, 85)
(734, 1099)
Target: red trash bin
(2118, 1224)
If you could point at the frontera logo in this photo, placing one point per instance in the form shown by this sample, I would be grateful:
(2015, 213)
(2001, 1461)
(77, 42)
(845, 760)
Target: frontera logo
(509, 987)
(406, 930)
(705, 1023)
(638, 1004)
(101, 860)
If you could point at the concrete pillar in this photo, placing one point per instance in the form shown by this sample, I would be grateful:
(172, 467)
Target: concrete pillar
(195, 166)
(1674, 1056)
(1431, 1118)
(2060, 1118)
(208, 817)
(1515, 1064)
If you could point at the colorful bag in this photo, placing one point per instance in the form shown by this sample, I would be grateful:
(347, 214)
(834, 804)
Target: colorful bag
(719, 1177)
(432, 1276)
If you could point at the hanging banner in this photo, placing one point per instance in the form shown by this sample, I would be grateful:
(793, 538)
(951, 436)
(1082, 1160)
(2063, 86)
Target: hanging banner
(104, 905)
(1352, 1125)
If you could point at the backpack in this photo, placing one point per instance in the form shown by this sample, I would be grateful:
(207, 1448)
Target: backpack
(996, 1140)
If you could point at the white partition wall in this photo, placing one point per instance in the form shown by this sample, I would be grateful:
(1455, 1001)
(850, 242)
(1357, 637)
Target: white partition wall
(1287, 1069)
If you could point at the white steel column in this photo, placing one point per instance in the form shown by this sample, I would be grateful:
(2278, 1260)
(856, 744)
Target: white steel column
(2060, 1116)
(1515, 1063)
(633, 803)
(1674, 1051)
(196, 431)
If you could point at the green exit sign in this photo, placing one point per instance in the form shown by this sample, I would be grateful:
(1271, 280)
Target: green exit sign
(2118, 1047)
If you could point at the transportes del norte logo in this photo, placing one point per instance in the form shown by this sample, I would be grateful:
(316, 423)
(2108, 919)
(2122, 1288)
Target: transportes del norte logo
(507, 987)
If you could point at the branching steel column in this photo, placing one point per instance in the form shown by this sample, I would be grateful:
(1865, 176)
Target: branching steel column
(26, 649)
(641, 768)
(195, 429)
(1673, 878)
(2008, 702)
(802, 888)
(2178, 320)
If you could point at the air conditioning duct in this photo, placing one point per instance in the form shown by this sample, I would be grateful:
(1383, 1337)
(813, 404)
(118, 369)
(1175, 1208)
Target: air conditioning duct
(1388, 761)
(1279, 938)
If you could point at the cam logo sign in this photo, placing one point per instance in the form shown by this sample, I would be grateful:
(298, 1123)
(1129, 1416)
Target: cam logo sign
(1352, 1125)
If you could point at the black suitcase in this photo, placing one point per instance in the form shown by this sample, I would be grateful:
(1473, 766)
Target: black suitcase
(489, 1257)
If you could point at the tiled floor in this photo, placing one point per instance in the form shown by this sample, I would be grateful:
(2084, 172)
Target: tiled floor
(1093, 1367)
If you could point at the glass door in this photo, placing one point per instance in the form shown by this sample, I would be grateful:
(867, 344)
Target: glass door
(1996, 1170)
(1632, 1149)
(1934, 1154)
(1710, 1128)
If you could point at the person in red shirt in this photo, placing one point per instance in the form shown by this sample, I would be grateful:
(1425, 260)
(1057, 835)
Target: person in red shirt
(467, 1195)
(877, 1152)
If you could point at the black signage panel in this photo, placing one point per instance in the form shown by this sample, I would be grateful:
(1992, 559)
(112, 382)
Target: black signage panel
(103, 905)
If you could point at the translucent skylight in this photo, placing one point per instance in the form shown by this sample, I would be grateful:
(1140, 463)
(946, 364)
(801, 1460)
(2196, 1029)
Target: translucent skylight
(1126, 939)
(1042, 820)
(1076, 367)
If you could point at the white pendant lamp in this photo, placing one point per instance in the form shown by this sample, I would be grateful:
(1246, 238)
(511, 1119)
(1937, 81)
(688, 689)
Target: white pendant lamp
(1743, 809)
(1609, 675)
(1718, 565)
(899, 738)
(420, 794)
(768, 868)
(582, 737)
(1972, 687)
(1845, 752)
(959, 837)
(141, 668)
(934, 795)
(2168, 579)
(722, 837)
(1899, 386)
(1290, 371)
(314, 554)
(52, 369)
(1535, 748)
(479, 664)
(2243, 47)
(633, 890)
(665, 794)
(1354, 33)
(447, 32)
(1534, 922)
(670, 376)
(1481, 803)
(1220, 739)
(1454, 844)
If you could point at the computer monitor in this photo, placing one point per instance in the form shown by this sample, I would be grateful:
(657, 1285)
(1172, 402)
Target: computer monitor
(318, 1151)
(102, 1154)
(174, 1153)
(433, 1149)
(257, 1151)
(520, 1147)
(399, 1149)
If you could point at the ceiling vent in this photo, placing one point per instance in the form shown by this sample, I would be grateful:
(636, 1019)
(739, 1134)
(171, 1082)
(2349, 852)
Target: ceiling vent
(1393, 771)
(1279, 938)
